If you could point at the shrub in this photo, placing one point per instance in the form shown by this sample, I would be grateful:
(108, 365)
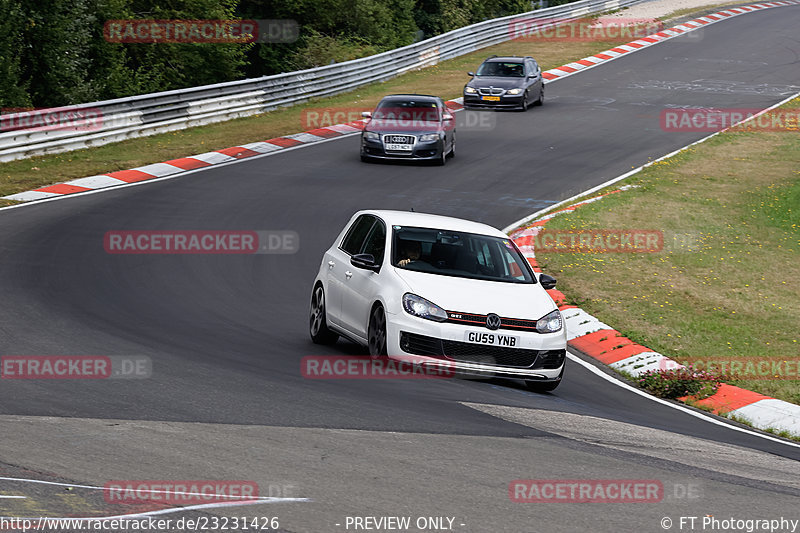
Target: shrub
(679, 382)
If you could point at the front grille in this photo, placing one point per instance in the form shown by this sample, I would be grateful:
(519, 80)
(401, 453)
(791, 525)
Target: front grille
(476, 353)
(398, 139)
(472, 319)
(491, 91)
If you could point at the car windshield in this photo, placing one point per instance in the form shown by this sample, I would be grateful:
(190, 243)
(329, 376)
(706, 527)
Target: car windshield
(408, 110)
(459, 254)
(501, 69)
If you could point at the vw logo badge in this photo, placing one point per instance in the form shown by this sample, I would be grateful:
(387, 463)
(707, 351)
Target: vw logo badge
(492, 321)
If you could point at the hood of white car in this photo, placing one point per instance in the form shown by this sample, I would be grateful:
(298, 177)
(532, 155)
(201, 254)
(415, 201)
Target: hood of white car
(510, 300)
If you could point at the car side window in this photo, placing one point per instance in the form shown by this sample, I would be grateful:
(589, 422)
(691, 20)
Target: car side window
(357, 233)
(375, 245)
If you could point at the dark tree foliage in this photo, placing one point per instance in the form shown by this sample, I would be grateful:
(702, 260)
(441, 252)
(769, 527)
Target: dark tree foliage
(54, 53)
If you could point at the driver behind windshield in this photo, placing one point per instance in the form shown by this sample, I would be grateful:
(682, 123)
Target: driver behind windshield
(410, 251)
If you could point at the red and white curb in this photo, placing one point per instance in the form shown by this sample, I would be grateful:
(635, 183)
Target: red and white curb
(590, 336)
(175, 167)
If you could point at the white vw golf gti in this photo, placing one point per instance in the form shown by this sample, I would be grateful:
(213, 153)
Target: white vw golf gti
(448, 292)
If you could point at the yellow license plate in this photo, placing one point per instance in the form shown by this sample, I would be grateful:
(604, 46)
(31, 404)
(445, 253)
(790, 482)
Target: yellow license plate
(491, 98)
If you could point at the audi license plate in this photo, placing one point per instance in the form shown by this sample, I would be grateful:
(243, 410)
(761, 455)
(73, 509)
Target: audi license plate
(491, 98)
(492, 339)
(395, 147)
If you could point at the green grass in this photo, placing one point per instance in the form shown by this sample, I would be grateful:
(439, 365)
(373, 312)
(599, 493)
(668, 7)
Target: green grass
(726, 283)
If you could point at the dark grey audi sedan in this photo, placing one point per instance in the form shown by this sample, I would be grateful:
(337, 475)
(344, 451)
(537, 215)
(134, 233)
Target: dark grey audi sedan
(505, 82)
(409, 126)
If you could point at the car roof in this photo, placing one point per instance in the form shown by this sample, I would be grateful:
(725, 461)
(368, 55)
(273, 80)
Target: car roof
(506, 59)
(426, 220)
(407, 96)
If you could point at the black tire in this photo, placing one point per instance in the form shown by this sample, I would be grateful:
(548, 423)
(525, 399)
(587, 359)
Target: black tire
(524, 106)
(452, 153)
(365, 159)
(442, 159)
(318, 321)
(540, 101)
(546, 386)
(376, 332)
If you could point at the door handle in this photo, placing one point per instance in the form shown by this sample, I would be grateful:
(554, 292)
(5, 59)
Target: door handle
(348, 274)
(331, 264)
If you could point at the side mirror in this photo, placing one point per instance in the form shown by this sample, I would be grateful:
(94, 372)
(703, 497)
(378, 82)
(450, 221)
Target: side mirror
(548, 282)
(447, 117)
(365, 262)
(366, 114)
(471, 74)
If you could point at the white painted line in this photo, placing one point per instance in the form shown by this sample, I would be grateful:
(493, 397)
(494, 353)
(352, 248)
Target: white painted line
(576, 66)
(258, 500)
(593, 369)
(166, 511)
(13, 497)
(96, 182)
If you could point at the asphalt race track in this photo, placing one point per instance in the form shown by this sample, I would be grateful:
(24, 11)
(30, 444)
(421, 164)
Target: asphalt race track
(226, 333)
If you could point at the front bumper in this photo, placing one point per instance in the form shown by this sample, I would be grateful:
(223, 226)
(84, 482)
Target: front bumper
(421, 151)
(506, 101)
(539, 357)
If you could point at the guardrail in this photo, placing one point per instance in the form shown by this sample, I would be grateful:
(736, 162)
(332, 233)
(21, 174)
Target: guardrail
(99, 123)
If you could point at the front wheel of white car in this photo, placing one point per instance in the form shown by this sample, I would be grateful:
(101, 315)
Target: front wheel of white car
(377, 332)
(318, 321)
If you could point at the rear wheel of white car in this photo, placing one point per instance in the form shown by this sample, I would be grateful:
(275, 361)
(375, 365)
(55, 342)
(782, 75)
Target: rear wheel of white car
(546, 386)
(377, 332)
(318, 322)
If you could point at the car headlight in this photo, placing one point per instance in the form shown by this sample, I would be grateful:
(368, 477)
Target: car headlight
(549, 323)
(470, 90)
(429, 137)
(419, 306)
(371, 136)
(514, 91)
